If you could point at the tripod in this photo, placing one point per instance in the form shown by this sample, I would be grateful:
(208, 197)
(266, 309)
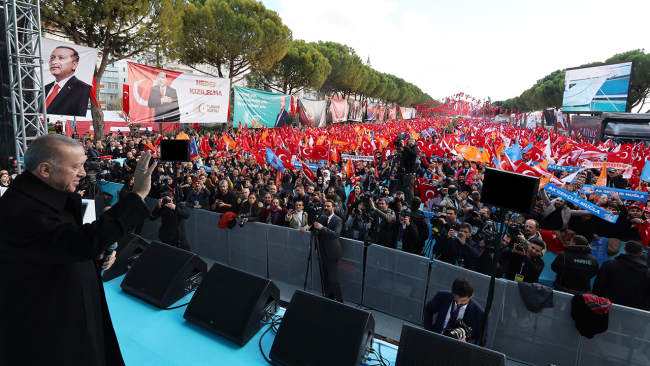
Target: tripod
(313, 243)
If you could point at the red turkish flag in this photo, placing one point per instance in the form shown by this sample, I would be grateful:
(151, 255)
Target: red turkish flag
(428, 192)
(308, 172)
(553, 243)
(320, 152)
(285, 156)
(125, 98)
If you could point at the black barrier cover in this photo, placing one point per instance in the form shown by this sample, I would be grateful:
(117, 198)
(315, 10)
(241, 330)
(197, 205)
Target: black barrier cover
(350, 271)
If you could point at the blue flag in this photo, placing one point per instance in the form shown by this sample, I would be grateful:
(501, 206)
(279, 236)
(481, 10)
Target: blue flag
(530, 146)
(274, 160)
(193, 150)
(645, 174)
(513, 152)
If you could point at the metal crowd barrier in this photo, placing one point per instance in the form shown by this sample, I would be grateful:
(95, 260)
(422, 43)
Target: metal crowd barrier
(399, 284)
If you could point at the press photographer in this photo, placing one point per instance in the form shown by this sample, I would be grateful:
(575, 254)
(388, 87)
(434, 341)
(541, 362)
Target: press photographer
(405, 234)
(525, 261)
(457, 248)
(409, 156)
(171, 232)
(358, 222)
(454, 306)
(379, 215)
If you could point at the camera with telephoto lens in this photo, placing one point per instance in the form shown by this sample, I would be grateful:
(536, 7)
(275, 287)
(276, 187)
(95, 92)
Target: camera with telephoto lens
(488, 234)
(314, 210)
(166, 200)
(458, 330)
(239, 184)
(241, 220)
(522, 246)
(515, 229)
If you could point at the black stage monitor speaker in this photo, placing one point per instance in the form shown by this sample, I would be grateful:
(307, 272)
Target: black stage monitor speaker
(423, 348)
(129, 248)
(316, 331)
(232, 303)
(164, 274)
(511, 191)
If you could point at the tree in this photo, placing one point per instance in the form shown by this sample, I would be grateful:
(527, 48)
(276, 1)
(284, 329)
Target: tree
(233, 35)
(303, 67)
(119, 29)
(347, 68)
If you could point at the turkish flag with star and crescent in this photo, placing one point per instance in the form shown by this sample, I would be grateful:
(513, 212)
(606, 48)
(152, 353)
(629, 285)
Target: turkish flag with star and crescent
(141, 79)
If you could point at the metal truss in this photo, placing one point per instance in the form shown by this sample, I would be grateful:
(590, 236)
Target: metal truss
(23, 22)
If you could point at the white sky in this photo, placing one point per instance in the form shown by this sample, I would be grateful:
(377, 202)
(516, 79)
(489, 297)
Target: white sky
(495, 48)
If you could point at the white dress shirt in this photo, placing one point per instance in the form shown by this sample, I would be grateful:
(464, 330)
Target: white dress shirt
(60, 84)
(461, 313)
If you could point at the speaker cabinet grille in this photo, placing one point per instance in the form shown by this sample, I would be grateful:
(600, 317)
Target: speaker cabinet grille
(164, 274)
(232, 303)
(423, 348)
(129, 248)
(317, 331)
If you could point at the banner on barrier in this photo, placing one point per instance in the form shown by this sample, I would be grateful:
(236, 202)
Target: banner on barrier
(312, 113)
(357, 157)
(569, 197)
(257, 108)
(73, 66)
(624, 194)
(166, 96)
(339, 109)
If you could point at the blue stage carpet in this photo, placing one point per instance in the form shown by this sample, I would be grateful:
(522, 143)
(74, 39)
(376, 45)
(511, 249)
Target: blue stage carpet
(151, 336)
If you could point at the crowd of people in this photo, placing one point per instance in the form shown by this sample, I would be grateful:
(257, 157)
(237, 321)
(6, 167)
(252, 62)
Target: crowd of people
(380, 198)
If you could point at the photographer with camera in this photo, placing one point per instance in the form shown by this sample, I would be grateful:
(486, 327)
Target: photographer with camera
(405, 234)
(199, 196)
(525, 261)
(420, 221)
(297, 218)
(409, 156)
(458, 248)
(225, 200)
(451, 308)
(379, 215)
(170, 233)
(356, 223)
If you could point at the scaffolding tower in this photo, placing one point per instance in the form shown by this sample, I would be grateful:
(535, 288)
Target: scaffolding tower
(23, 23)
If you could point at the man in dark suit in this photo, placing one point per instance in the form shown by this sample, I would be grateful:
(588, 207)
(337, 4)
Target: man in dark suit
(328, 228)
(52, 294)
(164, 100)
(281, 119)
(67, 95)
(452, 306)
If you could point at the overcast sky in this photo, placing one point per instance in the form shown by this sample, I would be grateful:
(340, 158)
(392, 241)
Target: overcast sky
(495, 48)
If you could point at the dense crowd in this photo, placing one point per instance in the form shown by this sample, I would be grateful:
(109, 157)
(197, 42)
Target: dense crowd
(381, 199)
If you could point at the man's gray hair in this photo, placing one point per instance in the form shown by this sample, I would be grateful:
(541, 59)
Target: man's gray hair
(47, 148)
(223, 182)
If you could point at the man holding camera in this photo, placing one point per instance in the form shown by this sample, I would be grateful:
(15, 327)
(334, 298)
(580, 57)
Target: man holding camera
(409, 155)
(199, 196)
(379, 215)
(225, 200)
(525, 261)
(171, 232)
(452, 307)
(356, 225)
(297, 218)
(405, 234)
(459, 249)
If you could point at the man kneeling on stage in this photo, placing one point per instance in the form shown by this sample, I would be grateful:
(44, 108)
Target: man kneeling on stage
(328, 228)
(458, 313)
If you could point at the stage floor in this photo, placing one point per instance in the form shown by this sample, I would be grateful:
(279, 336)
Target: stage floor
(151, 336)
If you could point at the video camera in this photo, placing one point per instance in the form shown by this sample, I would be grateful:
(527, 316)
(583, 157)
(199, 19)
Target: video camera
(314, 210)
(488, 234)
(459, 330)
(515, 229)
(97, 168)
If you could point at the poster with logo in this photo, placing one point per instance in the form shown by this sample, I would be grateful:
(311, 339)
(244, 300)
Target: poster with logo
(356, 111)
(312, 113)
(392, 113)
(257, 108)
(339, 110)
(159, 95)
(68, 77)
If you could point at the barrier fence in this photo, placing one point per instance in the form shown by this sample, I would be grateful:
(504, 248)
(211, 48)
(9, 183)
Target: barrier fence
(399, 284)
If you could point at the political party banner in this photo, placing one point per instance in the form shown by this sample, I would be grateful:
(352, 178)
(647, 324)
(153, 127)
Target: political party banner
(382, 113)
(601, 164)
(357, 157)
(356, 111)
(257, 108)
(569, 197)
(68, 77)
(339, 110)
(371, 115)
(167, 96)
(392, 113)
(298, 165)
(312, 113)
(570, 169)
(624, 194)
(586, 127)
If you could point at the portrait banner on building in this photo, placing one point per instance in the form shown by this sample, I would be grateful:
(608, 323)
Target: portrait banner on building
(392, 113)
(339, 110)
(68, 77)
(167, 96)
(257, 108)
(356, 111)
(312, 113)
(382, 113)
(372, 113)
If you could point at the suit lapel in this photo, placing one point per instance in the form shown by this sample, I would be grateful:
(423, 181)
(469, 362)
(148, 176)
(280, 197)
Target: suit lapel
(63, 92)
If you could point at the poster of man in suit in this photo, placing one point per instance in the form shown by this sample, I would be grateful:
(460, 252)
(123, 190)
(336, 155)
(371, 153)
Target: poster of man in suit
(164, 100)
(281, 119)
(68, 76)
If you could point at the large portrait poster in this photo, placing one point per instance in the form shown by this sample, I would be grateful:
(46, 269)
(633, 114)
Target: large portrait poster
(256, 108)
(392, 113)
(356, 111)
(159, 95)
(382, 113)
(339, 110)
(372, 113)
(312, 113)
(68, 77)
